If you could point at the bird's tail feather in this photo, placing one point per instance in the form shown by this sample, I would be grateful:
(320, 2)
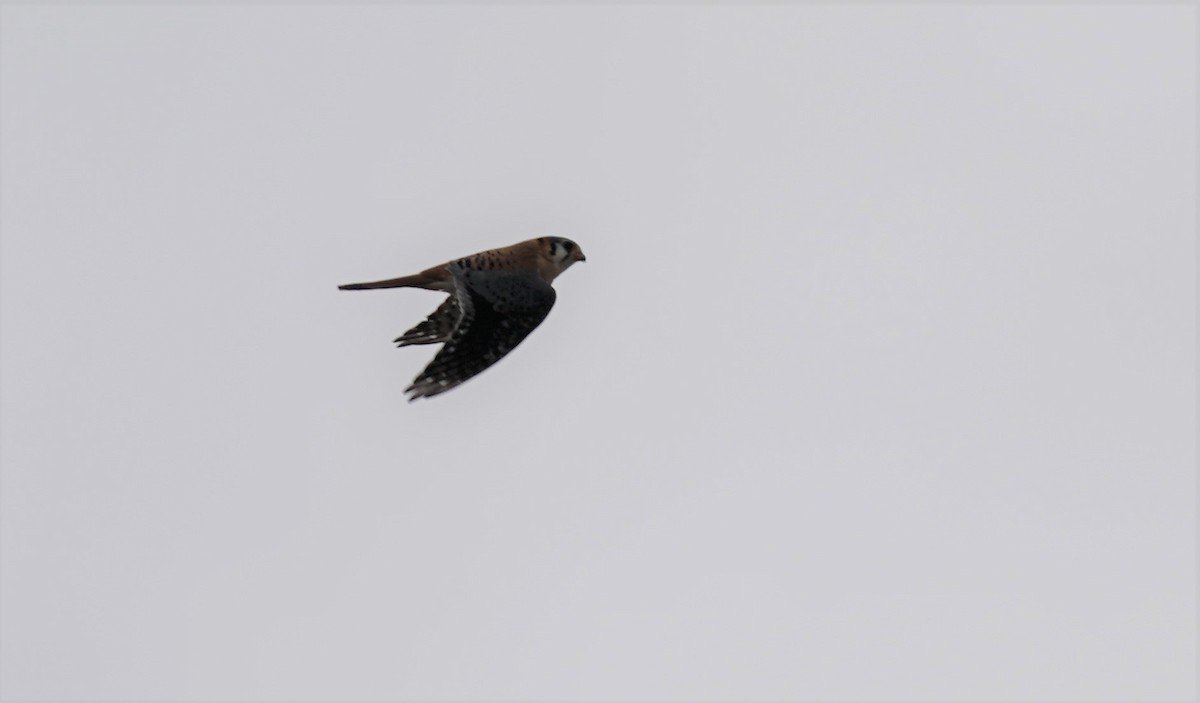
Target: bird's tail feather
(402, 282)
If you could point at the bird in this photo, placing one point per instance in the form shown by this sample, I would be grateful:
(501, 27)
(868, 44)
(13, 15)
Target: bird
(497, 297)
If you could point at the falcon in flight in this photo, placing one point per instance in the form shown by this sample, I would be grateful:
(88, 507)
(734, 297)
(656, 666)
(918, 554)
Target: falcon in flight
(497, 297)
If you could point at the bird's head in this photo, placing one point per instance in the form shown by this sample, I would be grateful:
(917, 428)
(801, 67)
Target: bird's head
(560, 253)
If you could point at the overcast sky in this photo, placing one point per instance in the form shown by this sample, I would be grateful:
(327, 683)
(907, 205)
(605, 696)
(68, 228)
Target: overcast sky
(879, 381)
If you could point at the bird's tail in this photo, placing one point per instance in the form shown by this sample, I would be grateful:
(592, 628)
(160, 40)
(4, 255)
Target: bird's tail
(402, 282)
(436, 278)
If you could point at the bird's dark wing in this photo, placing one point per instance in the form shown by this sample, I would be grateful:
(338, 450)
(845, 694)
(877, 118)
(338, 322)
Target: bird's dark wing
(498, 309)
(434, 329)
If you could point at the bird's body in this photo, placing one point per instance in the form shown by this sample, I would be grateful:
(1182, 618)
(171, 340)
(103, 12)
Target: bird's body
(497, 297)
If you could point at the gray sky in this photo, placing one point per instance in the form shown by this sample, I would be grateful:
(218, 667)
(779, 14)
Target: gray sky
(879, 382)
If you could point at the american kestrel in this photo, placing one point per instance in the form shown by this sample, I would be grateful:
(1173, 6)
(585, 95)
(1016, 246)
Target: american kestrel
(497, 297)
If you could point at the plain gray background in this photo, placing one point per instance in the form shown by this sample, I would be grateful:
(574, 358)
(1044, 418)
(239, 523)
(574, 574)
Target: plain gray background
(878, 383)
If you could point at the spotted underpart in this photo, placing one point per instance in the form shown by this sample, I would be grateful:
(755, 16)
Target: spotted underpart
(496, 310)
(434, 329)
